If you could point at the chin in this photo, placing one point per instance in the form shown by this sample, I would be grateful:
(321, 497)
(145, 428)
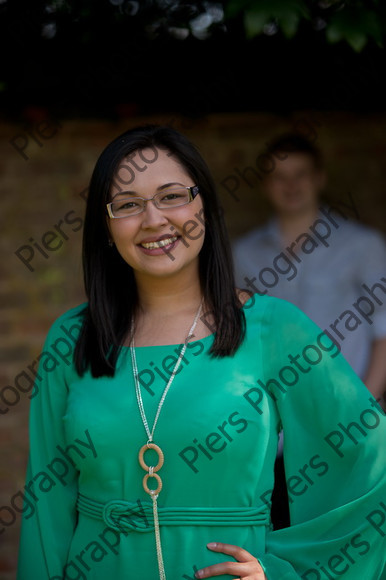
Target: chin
(167, 270)
(295, 206)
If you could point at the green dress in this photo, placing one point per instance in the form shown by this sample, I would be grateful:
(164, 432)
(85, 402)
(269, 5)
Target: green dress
(87, 516)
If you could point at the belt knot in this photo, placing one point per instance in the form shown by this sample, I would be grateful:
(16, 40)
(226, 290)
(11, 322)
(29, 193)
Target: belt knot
(123, 515)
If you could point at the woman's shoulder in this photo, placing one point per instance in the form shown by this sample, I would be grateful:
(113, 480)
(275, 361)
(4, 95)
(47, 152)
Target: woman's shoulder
(262, 308)
(70, 321)
(253, 302)
(283, 326)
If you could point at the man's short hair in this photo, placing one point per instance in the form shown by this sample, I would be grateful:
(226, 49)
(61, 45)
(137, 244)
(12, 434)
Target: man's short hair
(295, 143)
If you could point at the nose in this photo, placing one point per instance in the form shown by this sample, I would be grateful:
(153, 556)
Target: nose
(152, 217)
(292, 183)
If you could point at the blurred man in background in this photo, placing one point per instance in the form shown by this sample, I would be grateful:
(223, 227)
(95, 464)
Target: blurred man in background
(320, 259)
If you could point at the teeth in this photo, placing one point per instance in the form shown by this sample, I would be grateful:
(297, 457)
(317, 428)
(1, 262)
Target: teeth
(159, 244)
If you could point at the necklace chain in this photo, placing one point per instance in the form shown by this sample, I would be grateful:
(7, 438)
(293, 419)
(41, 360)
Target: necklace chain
(149, 433)
(151, 469)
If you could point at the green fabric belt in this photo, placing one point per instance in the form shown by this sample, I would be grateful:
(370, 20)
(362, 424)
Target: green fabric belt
(122, 515)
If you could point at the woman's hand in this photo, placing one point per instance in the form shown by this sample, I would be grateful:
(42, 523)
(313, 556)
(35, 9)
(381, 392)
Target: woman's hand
(247, 566)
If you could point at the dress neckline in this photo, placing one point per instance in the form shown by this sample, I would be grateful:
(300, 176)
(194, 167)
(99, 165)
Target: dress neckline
(205, 338)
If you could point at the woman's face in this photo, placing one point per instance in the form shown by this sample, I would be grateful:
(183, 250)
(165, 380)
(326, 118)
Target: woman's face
(140, 239)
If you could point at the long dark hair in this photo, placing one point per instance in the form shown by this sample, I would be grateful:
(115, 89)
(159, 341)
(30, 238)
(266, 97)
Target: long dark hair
(109, 281)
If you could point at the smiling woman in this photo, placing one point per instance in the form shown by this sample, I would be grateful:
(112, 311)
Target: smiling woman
(196, 451)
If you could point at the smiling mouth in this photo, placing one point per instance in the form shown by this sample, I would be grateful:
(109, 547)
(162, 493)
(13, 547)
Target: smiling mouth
(159, 243)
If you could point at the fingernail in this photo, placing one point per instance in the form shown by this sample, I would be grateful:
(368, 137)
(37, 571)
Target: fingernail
(198, 574)
(212, 545)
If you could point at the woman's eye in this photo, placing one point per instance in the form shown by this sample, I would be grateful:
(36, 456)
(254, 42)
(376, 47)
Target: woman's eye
(172, 196)
(128, 205)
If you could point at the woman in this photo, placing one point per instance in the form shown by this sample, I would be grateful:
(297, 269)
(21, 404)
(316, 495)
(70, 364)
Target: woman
(153, 440)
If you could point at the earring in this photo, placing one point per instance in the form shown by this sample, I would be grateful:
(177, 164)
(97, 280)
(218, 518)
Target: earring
(111, 243)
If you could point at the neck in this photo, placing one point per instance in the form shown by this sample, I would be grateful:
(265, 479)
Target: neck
(292, 225)
(163, 297)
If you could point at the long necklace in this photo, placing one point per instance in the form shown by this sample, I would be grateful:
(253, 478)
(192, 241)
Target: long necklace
(152, 469)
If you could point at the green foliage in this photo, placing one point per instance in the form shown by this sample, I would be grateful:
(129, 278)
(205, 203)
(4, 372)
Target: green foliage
(258, 15)
(355, 22)
(356, 26)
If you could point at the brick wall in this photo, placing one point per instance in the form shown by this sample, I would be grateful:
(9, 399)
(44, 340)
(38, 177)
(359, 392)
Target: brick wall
(43, 185)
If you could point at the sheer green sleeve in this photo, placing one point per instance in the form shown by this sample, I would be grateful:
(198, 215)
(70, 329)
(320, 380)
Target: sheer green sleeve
(334, 455)
(49, 514)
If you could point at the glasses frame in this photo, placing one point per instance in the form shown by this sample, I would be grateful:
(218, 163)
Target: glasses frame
(194, 190)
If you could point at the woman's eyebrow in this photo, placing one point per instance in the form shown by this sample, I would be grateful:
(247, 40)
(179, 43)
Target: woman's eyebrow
(159, 188)
(124, 193)
(166, 185)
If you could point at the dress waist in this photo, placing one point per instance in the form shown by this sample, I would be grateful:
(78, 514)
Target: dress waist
(123, 516)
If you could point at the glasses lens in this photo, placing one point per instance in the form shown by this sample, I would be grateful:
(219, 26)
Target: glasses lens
(172, 198)
(126, 207)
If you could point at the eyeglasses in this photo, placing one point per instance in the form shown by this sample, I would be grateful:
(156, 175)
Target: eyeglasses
(166, 199)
